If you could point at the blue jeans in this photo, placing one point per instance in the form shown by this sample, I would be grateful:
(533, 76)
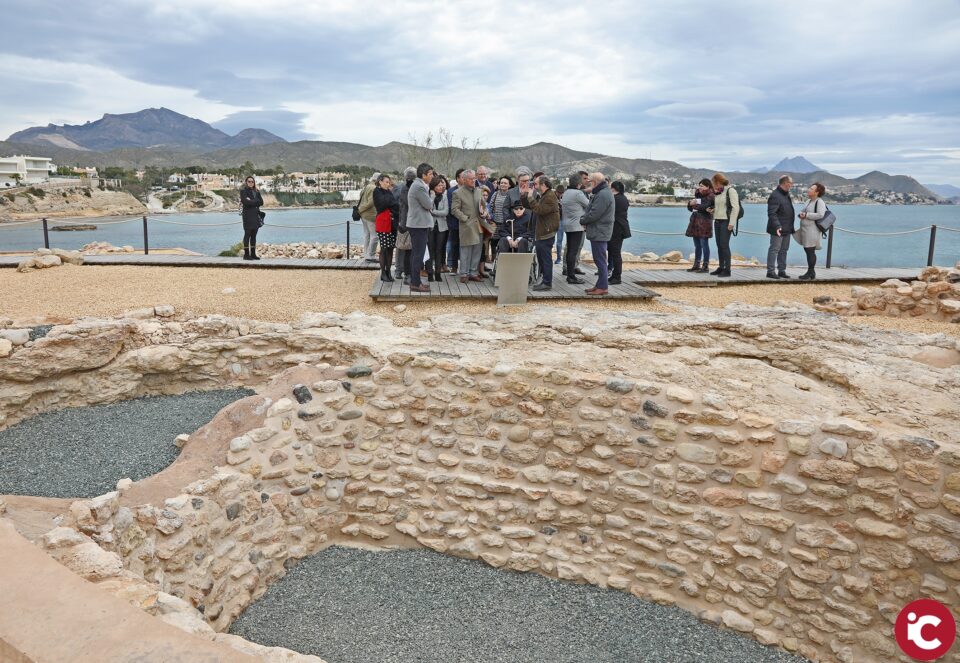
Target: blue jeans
(777, 253)
(701, 247)
(599, 250)
(544, 249)
(453, 242)
(559, 247)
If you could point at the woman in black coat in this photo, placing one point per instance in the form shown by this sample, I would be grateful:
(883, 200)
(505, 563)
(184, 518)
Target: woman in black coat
(250, 202)
(621, 230)
(700, 227)
(388, 216)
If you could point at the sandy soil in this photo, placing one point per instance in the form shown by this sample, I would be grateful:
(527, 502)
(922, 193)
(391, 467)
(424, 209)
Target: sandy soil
(283, 295)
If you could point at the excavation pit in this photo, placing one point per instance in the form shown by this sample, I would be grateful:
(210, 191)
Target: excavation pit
(771, 473)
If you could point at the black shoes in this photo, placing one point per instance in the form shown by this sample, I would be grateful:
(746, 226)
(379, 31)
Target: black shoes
(771, 275)
(579, 272)
(542, 287)
(704, 269)
(695, 268)
(725, 274)
(809, 276)
(385, 276)
(614, 281)
(783, 275)
(717, 271)
(575, 281)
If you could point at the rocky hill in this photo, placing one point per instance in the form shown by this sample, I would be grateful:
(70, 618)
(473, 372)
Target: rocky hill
(147, 128)
(66, 202)
(163, 138)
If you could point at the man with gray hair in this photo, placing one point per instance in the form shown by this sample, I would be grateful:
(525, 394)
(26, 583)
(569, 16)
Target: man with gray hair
(483, 179)
(466, 206)
(368, 217)
(598, 223)
(524, 175)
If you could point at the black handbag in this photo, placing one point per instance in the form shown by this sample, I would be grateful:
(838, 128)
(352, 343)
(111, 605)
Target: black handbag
(263, 215)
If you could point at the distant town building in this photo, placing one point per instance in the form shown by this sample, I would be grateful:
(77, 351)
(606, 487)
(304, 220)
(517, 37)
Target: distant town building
(86, 171)
(31, 170)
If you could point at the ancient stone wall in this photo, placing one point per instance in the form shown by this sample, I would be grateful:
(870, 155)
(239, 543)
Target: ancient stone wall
(809, 534)
(934, 295)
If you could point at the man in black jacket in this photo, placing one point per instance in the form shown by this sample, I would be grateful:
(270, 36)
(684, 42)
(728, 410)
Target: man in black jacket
(780, 227)
(621, 231)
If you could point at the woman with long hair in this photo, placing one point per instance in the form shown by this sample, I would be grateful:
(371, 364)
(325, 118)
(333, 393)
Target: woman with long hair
(726, 211)
(809, 235)
(700, 227)
(388, 215)
(250, 202)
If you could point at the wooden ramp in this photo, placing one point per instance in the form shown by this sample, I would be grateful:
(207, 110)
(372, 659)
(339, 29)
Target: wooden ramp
(758, 275)
(451, 288)
(166, 260)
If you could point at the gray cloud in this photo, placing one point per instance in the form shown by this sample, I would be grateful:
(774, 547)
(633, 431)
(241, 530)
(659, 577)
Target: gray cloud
(846, 87)
(285, 124)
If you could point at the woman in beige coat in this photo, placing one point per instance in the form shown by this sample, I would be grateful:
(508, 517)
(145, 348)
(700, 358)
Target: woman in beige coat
(808, 236)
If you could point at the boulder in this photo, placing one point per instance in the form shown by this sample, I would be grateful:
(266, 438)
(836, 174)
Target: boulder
(672, 256)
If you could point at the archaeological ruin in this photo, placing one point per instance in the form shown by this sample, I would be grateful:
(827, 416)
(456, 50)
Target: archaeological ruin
(776, 473)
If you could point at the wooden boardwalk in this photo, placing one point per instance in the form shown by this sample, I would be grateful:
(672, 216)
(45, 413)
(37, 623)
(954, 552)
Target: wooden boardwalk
(758, 275)
(451, 288)
(167, 260)
(635, 283)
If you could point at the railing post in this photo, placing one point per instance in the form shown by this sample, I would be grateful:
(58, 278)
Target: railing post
(146, 240)
(46, 235)
(829, 247)
(933, 243)
(348, 240)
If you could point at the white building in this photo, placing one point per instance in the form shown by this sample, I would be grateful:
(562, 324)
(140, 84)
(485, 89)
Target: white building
(32, 170)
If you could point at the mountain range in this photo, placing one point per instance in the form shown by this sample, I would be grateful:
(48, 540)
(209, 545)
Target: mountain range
(153, 127)
(163, 138)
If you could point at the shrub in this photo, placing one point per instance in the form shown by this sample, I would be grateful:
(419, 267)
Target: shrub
(233, 251)
(39, 193)
(87, 192)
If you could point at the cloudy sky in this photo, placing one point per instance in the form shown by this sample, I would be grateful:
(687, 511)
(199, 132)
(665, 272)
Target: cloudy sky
(853, 86)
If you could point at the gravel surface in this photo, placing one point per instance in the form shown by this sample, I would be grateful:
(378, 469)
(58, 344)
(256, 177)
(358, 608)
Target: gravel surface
(357, 606)
(83, 452)
(45, 295)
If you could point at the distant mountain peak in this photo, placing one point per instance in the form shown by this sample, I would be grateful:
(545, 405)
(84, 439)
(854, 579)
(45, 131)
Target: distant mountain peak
(797, 164)
(150, 127)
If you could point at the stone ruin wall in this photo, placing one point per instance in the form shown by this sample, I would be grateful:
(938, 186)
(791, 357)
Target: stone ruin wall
(805, 534)
(935, 295)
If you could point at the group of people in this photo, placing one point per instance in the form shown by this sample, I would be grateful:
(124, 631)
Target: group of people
(715, 210)
(433, 228)
(425, 226)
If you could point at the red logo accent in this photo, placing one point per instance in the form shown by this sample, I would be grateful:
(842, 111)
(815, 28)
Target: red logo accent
(925, 630)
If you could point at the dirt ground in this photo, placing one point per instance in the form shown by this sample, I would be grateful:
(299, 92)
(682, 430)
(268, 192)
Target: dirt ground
(68, 292)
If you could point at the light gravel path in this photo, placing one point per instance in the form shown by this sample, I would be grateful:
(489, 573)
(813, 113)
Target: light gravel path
(358, 606)
(83, 452)
(284, 295)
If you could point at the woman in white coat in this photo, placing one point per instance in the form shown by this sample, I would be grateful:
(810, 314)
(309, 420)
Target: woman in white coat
(808, 236)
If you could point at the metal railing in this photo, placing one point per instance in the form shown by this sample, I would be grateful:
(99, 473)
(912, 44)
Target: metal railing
(146, 232)
(930, 250)
(146, 228)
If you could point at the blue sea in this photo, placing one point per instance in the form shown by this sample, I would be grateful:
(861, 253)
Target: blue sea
(201, 234)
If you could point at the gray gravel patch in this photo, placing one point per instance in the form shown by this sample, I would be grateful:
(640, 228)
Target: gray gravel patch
(356, 606)
(83, 452)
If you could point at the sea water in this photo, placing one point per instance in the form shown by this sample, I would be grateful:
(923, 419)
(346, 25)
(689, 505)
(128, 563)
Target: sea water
(200, 233)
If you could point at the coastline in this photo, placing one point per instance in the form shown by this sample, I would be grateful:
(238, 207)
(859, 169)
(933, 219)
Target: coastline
(89, 213)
